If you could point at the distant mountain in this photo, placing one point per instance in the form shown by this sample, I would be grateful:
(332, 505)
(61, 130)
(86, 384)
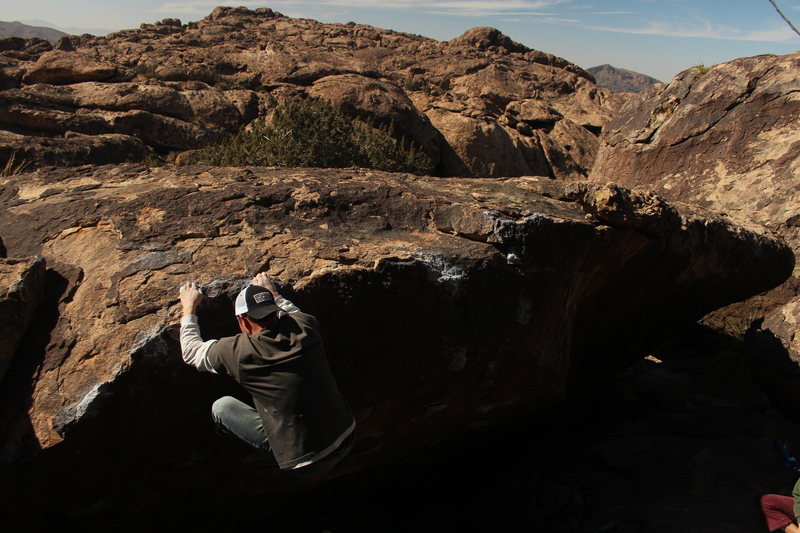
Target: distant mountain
(620, 80)
(71, 30)
(18, 29)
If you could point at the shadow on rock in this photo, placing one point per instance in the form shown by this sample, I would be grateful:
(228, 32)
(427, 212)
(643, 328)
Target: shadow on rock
(35, 348)
(776, 370)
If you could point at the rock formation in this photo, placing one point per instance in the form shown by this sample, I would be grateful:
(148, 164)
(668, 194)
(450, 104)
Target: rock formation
(23, 152)
(621, 80)
(59, 67)
(447, 305)
(479, 105)
(450, 307)
(728, 139)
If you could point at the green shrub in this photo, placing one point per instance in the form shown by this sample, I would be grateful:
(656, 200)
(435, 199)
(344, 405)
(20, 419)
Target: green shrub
(315, 133)
(153, 160)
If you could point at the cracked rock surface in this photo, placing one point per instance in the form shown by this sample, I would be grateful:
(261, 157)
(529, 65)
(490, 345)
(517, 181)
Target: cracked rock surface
(447, 305)
(729, 140)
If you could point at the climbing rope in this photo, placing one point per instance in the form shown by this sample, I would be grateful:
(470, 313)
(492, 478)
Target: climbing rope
(784, 17)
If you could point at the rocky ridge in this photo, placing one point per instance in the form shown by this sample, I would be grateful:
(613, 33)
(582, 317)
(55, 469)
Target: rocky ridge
(26, 31)
(479, 105)
(510, 286)
(728, 139)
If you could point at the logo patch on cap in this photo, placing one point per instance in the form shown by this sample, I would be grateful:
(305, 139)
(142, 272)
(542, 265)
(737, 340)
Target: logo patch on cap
(261, 297)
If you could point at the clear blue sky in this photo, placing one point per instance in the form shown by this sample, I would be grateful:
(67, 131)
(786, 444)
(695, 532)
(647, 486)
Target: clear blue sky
(655, 37)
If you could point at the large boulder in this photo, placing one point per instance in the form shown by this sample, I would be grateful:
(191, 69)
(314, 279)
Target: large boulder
(446, 305)
(59, 67)
(486, 37)
(381, 104)
(24, 152)
(10, 73)
(21, 291)
(473, 138)
(726, 138)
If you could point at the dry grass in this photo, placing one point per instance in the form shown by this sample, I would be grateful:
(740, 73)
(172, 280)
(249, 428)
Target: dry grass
(12, 167)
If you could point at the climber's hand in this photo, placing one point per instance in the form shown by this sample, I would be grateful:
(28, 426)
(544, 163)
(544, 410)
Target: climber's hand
(190, 297)
(262, 279)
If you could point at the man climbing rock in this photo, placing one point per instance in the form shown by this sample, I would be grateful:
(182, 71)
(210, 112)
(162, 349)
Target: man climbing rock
(299, 415)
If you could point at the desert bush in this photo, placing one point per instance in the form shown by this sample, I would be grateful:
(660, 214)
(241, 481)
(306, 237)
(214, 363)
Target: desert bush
(315, 133)
(701, 69)
(153, 160)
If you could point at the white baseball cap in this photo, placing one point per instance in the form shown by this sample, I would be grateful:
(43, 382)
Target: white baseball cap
(255, 302)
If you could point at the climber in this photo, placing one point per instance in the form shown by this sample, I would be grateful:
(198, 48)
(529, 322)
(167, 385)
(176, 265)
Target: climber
(299, 414)
(779, 511)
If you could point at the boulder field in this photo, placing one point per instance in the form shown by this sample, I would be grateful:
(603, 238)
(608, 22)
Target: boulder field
(488, 329)
(448, 305)
(478, 105)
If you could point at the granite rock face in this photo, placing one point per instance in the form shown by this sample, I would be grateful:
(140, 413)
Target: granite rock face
(21, 292)
(729, 140)
(467, 103)
(447, 305)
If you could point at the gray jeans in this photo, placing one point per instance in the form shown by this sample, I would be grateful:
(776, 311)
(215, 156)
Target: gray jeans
(236, 418)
